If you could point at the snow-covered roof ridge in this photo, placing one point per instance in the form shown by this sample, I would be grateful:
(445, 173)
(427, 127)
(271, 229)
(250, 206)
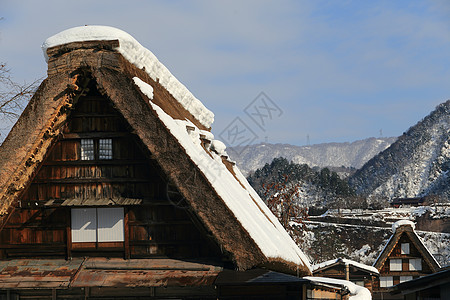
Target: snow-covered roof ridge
(395, 238)
(248, 208)
(356, 292)
(400, 223)
(345, 261)
(139, 56)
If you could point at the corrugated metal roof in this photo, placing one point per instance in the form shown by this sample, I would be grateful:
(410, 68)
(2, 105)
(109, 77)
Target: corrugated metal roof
(103, 272)
(38, 273)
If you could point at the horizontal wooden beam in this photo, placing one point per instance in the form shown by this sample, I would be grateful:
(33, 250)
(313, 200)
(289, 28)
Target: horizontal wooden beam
(109, 162)
(25, 226)
(153, 223)
(149, 243)
(93, 180)
(92, 135)
(94, 115)
(34, 246)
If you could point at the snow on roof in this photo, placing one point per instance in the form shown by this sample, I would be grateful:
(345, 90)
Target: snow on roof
(402, 223)
(141, 57)
(347, 262)
(356, 292)
(236, 192)
(394, 229)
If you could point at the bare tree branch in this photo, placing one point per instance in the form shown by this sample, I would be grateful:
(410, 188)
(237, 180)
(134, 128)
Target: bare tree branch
(13, 96)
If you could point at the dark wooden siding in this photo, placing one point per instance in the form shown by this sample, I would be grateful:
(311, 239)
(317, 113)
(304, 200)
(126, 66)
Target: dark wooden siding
(396, 254)
(161, 226)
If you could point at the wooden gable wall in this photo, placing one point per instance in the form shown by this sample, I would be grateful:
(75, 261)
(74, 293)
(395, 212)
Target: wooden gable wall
(157, 221)
(396, 253)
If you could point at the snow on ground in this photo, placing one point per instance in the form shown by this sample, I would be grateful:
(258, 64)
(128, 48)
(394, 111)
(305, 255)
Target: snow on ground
(139, 56)
(363, 243)
(388, 214)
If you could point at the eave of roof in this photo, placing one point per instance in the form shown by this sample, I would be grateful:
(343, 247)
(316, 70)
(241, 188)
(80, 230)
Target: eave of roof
(422, 283)
(102, 272)
(333, 262)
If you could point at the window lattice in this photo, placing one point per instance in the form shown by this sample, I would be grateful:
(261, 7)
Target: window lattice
(105, 149)
(386, 281)
(87, 149)
(405, 248)
(395, 264)
(415, 264)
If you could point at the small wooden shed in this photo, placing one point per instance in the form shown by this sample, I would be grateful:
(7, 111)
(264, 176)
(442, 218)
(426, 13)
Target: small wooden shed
(347, 269)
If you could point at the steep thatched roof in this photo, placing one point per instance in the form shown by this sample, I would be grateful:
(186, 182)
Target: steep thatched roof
(169, 121)
(400, 228)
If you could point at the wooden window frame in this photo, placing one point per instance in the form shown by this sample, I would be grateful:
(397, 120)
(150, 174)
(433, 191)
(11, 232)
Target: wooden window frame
(395, 262)
(405, 248)
(412, 265)
(97, 148)
(98, 234)
(386, 279)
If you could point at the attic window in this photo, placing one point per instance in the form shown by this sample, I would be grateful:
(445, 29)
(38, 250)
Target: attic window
(405, 248)
(415, 264)
(395, 264)
(92, 149)
(87, 149)
(105, 148)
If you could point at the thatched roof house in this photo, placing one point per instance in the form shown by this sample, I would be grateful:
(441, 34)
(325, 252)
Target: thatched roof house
(402, 259)
(105, 99)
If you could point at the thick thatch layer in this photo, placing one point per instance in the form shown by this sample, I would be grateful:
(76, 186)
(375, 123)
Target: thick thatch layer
(40, 125)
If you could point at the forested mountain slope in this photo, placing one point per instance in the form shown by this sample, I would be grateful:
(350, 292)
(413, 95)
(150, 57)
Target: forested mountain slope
(417, 164)
(353, 154)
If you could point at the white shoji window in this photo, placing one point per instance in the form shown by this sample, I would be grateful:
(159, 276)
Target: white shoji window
(395, 264)
(405, 248)
(105, 149)
(386, 281)
(87, 149)
(415, 264)
(97, 224)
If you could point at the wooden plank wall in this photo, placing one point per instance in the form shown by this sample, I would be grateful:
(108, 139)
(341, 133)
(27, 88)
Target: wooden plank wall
(162, 226)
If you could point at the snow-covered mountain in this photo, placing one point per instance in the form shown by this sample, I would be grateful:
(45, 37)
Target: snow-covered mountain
(353, 154)
(417, 164)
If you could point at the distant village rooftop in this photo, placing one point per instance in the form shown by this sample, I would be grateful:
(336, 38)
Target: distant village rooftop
(347, 262)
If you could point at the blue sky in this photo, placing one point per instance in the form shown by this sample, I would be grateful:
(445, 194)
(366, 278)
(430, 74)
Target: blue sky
(339, 70)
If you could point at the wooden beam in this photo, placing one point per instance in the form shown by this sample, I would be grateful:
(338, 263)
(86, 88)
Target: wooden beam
(94, 115)
(92, 135)
(154, 223)
(147, 243)
(126, 234)
(112, 162)
(69, 234)
(93, 180)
